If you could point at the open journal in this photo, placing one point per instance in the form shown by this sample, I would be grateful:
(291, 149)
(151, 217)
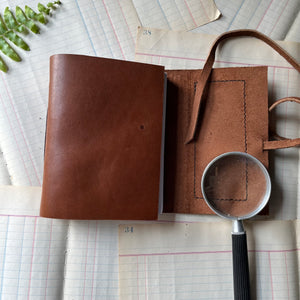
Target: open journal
(104, 149)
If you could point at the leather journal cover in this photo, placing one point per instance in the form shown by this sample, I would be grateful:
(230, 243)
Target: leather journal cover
(103, 139)
(105, 133)
(234, 118)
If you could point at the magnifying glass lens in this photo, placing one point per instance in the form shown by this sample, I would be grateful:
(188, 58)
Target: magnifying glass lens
(236, 186)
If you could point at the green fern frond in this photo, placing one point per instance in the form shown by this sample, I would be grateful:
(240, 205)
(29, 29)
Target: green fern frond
(52, 5)
(20, 21)
(12, 23)
(13, 37)
(3, 27)
(8, 50)
(3, 66)
(43, 9)
(31, 14)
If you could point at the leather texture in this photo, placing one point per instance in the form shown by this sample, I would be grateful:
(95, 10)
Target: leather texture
(204, 75)
(235, 118)
(213, 111)
(103, 139)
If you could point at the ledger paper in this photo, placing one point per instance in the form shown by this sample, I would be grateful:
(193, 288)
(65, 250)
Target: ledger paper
(193, 260)
(53, 259)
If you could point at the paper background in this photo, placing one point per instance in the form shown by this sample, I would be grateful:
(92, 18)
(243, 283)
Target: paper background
(34, 251)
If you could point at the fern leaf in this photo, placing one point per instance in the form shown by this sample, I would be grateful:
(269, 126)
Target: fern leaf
(19, 22)
(53, 5)
(3, 27)
(8, 50)
(10, 19)
(11, 22)
(13, 37)
(41, 18)
(21, 18)
(3, 66)
(31, 14)
(43, 9)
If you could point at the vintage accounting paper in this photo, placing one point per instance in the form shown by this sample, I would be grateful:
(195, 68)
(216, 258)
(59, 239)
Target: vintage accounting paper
(20, 200)
(31, 257)
(176, 15)
(193, 260)
(276, 18)
(57, 259)
(54, 259)
(293, 33)
(186, 50)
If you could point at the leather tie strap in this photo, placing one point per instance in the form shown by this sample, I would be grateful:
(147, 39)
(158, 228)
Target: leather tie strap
(202, 82)
(281, 142)
(285, 99)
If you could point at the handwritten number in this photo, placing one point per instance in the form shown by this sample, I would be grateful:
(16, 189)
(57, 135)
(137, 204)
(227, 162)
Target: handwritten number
(128, 229)
(146, 32)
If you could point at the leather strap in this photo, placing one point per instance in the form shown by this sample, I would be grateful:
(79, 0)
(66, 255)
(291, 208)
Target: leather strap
(282, 100)
(202, 82)
(281, 142)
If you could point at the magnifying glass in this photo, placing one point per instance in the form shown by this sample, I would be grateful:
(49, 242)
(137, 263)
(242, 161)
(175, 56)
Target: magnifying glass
(237, 186)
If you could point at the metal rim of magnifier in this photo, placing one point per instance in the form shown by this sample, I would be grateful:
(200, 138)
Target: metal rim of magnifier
(262, 168)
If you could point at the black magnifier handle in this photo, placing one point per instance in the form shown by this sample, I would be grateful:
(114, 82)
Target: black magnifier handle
(241, 281)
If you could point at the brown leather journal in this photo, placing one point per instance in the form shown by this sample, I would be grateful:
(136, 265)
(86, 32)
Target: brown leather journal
(105, 124)
(103, 139)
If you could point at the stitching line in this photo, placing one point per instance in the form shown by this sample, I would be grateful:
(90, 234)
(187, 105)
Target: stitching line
(245, 142)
